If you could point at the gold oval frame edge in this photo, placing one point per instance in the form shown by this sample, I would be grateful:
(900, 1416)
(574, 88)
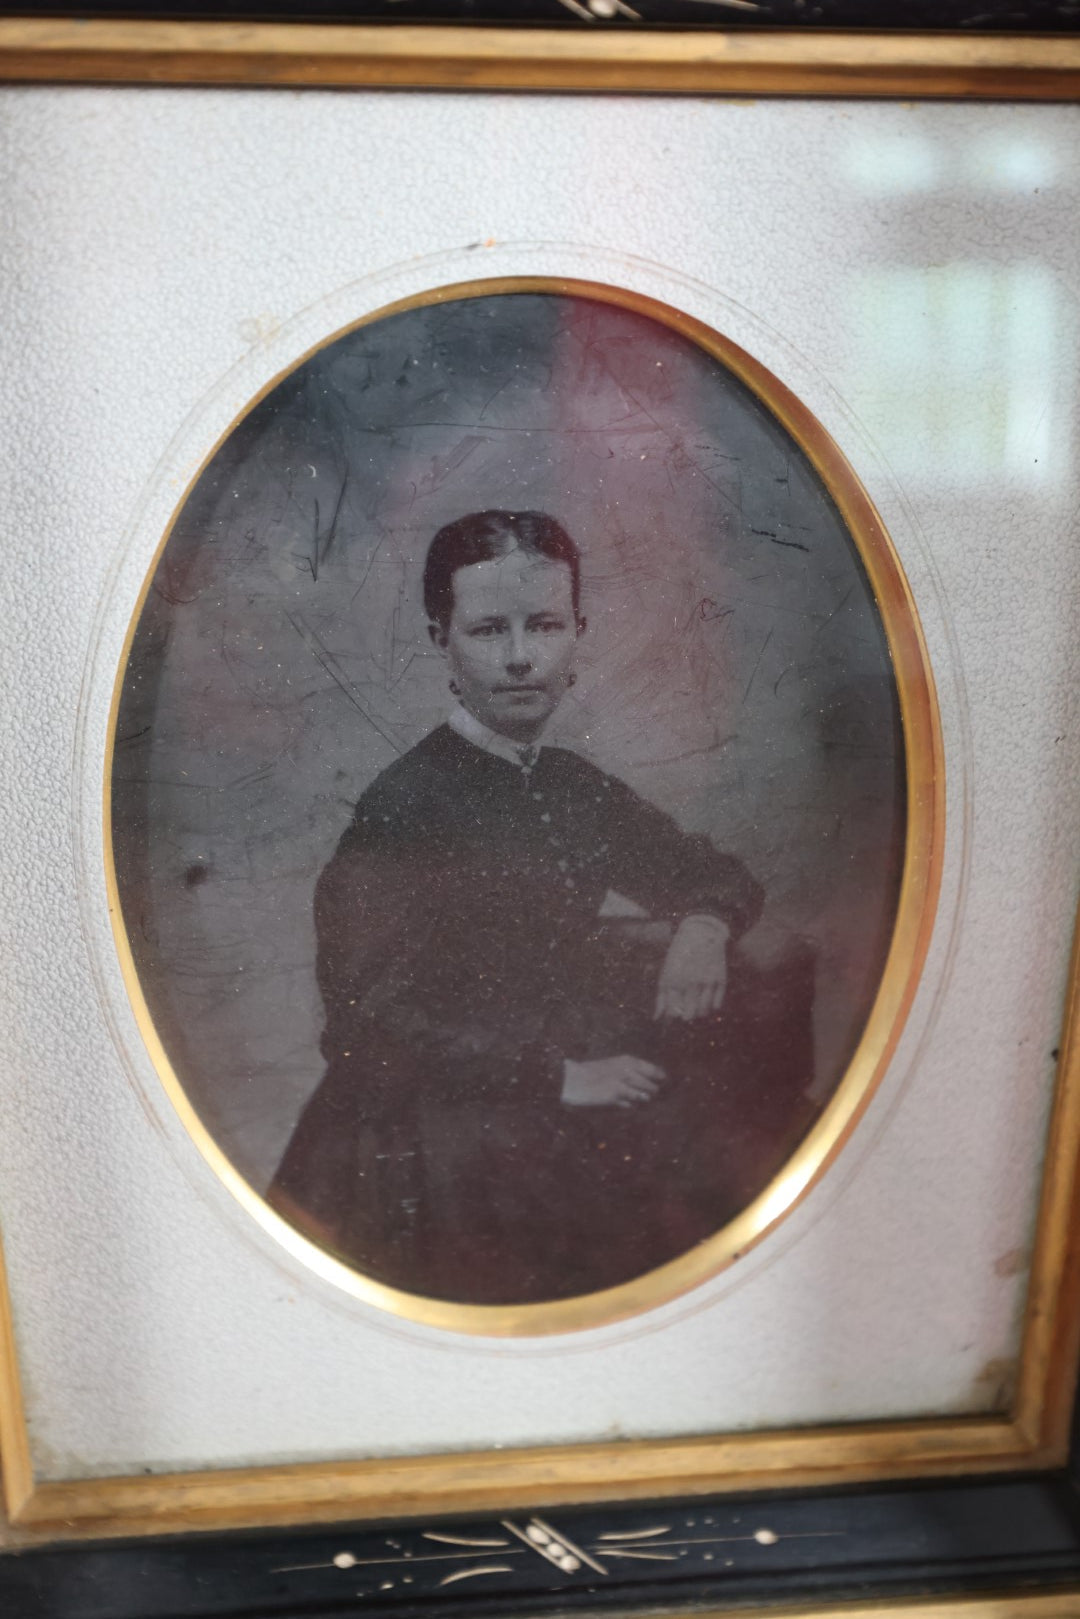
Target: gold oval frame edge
(916, 907)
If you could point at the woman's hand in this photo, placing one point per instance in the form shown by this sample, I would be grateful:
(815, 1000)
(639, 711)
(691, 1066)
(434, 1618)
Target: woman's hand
(693, 979)
(610, 1082)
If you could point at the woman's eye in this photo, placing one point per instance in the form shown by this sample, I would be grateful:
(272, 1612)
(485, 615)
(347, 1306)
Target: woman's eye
(485, 630)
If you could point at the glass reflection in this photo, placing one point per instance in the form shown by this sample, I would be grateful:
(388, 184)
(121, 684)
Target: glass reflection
(956, 366)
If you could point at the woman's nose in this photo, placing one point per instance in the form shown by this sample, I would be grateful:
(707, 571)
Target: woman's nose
(517, 653)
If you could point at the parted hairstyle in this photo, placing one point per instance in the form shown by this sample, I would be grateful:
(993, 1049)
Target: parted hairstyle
(483, 536)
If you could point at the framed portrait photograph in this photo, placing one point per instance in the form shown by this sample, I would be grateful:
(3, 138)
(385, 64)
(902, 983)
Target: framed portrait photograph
(542, 1064)
(555, 990)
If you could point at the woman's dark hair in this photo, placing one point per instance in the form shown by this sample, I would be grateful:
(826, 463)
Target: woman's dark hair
(483, 536)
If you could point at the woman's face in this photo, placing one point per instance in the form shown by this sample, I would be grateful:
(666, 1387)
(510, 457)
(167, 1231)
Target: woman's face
(511, 640)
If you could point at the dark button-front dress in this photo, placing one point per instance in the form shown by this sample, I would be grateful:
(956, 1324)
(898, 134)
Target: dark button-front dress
(461, 959)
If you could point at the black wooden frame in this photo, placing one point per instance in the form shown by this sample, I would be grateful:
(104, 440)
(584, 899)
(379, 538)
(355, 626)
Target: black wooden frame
(921, 16)
(1003, 1537)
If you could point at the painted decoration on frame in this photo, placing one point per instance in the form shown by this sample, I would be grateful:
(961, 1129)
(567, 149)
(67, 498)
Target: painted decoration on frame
(522, 813)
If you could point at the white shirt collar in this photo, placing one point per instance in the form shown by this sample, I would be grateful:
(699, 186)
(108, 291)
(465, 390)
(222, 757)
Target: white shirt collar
(482, 736)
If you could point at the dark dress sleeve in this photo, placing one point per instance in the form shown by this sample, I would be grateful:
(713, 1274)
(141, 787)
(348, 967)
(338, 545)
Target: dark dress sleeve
(670, 872)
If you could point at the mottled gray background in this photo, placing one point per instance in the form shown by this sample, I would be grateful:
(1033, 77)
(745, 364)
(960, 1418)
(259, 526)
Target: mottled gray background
(734, 671)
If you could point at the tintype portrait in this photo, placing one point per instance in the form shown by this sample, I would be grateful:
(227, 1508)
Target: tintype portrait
(508, 796)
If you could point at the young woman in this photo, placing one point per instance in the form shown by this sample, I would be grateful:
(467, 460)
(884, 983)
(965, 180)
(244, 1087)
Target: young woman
(524, 1100)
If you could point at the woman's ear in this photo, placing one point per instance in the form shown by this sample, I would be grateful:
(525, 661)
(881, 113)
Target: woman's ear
(438, 638)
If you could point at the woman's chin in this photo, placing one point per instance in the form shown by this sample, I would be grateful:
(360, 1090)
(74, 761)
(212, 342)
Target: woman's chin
(520, 715)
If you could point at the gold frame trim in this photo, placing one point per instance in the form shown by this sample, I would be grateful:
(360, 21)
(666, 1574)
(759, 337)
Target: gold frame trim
(920, 882)
(1036, 1434)
(548, 1476)
(1062, 1604)
(751, 62)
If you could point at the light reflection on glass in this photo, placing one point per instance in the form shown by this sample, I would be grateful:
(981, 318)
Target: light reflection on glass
(956, 368)
(895, 163)
(909, 161)
(1009, 163)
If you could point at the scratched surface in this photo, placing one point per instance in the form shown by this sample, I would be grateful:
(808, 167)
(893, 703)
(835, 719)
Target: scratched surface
(734, 670)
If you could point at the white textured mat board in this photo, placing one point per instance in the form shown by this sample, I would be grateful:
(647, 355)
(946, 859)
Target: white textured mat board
(910, 272)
